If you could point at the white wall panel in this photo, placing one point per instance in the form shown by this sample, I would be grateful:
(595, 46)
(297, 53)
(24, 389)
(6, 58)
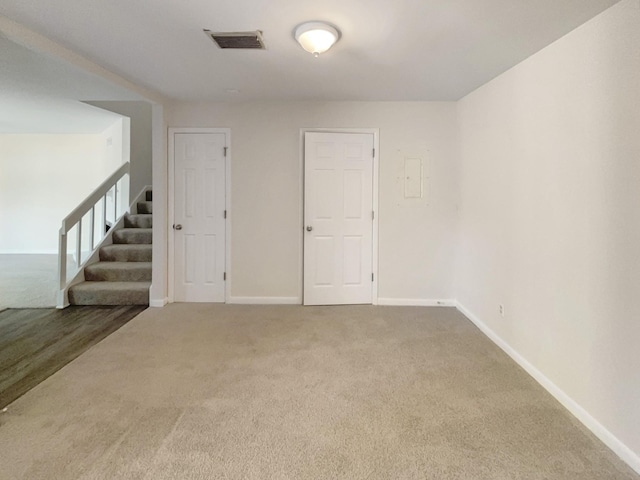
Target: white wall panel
(43, 178)
(550, 217)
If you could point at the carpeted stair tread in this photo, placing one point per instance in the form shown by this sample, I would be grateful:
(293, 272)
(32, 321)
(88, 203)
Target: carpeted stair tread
(133, 235)
(118, 272)
(123, 274)
(126, 252)
(145, 207)
(110, 293)
(139, 220)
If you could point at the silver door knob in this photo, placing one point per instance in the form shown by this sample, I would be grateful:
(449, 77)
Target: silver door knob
(309, 228)
(177, 227)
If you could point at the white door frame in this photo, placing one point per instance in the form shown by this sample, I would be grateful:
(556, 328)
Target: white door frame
(171, 206)
(376, 134)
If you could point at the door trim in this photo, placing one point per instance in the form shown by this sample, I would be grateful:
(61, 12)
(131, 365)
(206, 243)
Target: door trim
(171, 206)
(374, 247)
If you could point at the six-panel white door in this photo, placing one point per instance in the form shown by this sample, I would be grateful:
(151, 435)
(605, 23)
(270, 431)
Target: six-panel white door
(199, 216)
(338, 236)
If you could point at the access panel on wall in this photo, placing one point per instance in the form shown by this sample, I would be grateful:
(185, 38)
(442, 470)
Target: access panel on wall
(338, 218)
(199, 216)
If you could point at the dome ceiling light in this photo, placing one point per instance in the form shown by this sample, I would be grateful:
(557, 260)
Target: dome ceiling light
(316, 37)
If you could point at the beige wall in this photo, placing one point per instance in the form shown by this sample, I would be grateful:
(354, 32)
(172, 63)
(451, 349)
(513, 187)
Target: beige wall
(139, 114)
(550, 217)
(44, 177)
(416, 238)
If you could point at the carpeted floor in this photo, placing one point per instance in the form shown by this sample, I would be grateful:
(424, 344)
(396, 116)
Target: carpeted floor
(286, 392)
(28, 281)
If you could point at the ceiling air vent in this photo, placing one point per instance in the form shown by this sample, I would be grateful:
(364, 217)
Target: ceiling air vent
(243, 40)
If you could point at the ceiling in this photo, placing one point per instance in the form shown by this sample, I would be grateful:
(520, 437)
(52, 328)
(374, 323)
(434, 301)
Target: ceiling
(39, 94)
(390, 50)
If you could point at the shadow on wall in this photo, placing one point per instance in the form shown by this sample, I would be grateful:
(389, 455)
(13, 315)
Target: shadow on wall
(140, 115)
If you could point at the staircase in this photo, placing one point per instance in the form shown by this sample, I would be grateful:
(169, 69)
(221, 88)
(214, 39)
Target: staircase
(123, 274)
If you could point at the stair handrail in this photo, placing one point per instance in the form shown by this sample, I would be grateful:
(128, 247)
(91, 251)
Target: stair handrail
(78, 213)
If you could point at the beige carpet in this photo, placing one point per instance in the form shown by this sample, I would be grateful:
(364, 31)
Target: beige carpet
(243, 392)
(28, 281)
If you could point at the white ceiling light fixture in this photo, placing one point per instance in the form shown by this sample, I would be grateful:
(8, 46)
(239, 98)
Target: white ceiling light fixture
(316, 37)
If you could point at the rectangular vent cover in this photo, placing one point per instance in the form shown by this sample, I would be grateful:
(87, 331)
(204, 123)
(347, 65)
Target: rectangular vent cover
(242, 40)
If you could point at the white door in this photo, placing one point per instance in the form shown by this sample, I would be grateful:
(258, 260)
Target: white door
(199, 216)
(338, 216)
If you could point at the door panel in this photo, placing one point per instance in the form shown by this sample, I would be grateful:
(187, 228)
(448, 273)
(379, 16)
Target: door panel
(338, 250)
(199, 252)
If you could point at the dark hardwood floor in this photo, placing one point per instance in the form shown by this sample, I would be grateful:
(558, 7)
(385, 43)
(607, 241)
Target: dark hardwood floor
(37, 342)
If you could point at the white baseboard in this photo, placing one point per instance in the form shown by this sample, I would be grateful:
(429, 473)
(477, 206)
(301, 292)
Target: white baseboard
(158, 302)
(608, 438)
(265, 300)
(416, 302)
